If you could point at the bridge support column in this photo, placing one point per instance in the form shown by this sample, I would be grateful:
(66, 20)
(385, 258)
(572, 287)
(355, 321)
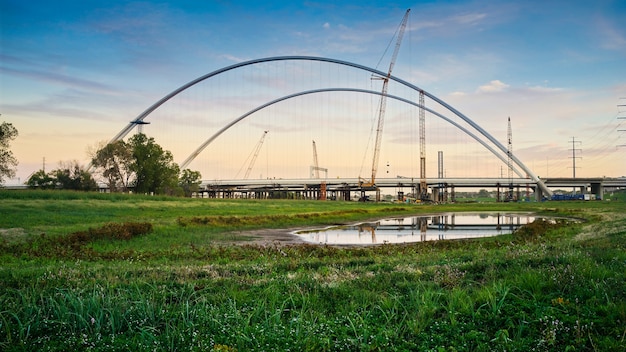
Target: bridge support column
(598, 190)
(498, 193)
(538, 194)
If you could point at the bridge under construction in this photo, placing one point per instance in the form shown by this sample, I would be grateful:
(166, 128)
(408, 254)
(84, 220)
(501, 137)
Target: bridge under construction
(405, 189)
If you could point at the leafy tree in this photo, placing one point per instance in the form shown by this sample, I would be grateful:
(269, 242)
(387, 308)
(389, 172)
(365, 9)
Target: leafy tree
(483, 193)
(7, 160)
(190, 181)
(73, 176)
(115, 160)
(68, 176)
(41, 180)
(154, 168)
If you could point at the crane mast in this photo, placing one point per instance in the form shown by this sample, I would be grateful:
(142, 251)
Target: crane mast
(422, 127)
(256, 154)
(383, 102)
(316, 166)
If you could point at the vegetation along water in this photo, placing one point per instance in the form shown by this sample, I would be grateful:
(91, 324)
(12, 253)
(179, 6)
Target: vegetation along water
(102, 272)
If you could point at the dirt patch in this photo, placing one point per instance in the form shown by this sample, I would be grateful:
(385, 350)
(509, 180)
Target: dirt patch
(13, 234)
(266, 237)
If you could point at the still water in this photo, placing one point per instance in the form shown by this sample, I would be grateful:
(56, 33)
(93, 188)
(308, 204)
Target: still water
(445, 226)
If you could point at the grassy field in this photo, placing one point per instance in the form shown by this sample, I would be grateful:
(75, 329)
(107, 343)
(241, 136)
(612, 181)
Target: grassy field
(98, 272)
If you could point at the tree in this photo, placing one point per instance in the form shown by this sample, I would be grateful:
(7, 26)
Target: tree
(73, 176)
(483, 193)
(154, 168)
(190, 181)
(7, 160)
(114, 161)
(68, 176)
(41, 180)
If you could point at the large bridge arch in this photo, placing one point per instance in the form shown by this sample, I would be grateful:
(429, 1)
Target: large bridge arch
(474, 125)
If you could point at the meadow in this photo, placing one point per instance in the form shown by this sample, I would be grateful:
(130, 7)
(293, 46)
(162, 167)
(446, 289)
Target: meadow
(107, 272)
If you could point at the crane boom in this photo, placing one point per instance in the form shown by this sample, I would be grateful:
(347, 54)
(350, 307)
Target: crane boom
(383, 100)
(256, 154)
(316, 166)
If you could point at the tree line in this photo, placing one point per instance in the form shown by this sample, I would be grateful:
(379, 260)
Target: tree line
(139, 165)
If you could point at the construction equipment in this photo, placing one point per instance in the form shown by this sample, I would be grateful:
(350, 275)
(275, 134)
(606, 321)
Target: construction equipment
(422, 126)
(381, 111)
(315, 171)
(256, 154)
(315, 163)
(315, 168)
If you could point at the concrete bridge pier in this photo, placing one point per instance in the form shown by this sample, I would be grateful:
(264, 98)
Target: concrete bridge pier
(597, 188)
(538, 194)
(435, 194)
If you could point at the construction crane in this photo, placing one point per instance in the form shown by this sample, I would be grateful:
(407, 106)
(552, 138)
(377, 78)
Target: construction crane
(255, 155)
(316, 165)
(383, 103)
(422, 127)
(315, 168)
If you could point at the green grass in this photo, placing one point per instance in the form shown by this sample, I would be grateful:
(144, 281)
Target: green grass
(181, 284)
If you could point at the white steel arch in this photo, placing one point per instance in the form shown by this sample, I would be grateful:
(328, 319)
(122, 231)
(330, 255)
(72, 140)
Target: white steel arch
(482, 131)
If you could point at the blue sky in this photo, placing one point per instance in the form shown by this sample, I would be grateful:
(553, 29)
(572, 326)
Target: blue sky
(74, 73)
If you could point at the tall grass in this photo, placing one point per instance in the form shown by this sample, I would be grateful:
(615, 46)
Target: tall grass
(554, 288)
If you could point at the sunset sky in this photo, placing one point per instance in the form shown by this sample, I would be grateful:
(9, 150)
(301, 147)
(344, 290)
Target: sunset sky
(74, 73)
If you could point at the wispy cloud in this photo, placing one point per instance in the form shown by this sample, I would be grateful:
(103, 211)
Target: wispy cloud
(610, 36)
(57, 78)
(494, 86)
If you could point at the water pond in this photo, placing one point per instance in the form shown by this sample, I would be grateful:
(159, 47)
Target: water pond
(444, 226)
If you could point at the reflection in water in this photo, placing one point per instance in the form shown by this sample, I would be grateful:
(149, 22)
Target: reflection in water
(420, 228)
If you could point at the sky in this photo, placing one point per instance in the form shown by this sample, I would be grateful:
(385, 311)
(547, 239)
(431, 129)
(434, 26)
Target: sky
(75, 73)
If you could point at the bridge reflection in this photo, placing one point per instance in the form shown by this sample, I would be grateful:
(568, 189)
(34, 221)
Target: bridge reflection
(446, 226)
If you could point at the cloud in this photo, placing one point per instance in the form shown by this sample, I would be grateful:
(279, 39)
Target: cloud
(233, 58)
(610, 37)
(326, 25)
(57, 78)
(494, 86)
(469, 19)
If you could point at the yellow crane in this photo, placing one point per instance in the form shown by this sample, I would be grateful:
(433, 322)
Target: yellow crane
(381, 110)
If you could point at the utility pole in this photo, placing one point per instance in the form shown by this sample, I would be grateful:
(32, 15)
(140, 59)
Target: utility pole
(574, 157)
(621, 108)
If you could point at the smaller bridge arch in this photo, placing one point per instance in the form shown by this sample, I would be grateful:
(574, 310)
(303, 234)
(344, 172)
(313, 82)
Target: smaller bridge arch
(203, 146)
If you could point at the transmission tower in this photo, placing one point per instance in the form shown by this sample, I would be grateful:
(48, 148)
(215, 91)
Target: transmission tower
(574, 157)
(620, 109)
